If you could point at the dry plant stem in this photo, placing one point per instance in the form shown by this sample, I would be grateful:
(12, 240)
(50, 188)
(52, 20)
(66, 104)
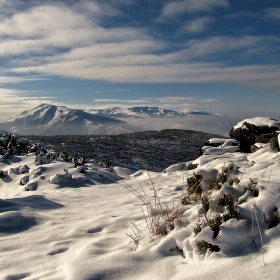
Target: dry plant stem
(242, 177)
(265, 171)
(270, 173)
(217, 202)
(253, 228)
(148, 224)
(145, 195)
(259, 233)
(154, 189)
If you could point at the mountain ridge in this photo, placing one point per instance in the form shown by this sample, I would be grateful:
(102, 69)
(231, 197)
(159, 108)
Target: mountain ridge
(144, 111)
(47, 119)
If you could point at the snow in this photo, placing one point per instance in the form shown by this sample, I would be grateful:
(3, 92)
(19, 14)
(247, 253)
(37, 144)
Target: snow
(58, 221)
(258, 121)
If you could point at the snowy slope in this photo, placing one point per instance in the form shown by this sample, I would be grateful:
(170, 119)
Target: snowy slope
(50, 120)
(142, 112)
(73, 225)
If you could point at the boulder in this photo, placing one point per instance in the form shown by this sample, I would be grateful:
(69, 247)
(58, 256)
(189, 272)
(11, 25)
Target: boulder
(249, 134)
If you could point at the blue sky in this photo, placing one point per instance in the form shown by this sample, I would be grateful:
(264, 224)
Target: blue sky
(215, 55)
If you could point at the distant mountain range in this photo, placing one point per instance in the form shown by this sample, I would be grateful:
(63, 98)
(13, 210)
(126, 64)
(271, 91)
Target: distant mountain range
(142, 112)
(48, 119)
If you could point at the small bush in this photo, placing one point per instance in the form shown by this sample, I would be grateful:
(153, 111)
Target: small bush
(224, 175)
(193, 184)
(203, 246)
(230, 206)
(232, 181)
(252, 187)
(186, 200)
(214, 185)
(205, 203)
(214, 224)
(197, 228)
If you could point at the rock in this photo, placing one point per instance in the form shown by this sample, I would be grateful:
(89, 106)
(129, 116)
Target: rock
(249, 134)
(274, 143)
(24, 169)
(254, 148)
(192, 166)
(81, 169)
(13, 171)
(31, 186)
(24, 180)
(2, 158)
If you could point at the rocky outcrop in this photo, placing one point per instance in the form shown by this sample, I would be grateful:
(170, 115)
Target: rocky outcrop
(249, 134)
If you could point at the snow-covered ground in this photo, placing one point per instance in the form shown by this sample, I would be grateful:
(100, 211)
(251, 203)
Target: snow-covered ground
(60, 222)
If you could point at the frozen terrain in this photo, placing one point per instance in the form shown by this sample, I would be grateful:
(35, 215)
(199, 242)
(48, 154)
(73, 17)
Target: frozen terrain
(83, 220)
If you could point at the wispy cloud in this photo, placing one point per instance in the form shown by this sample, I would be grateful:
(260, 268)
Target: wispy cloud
(175, 8)
(184, 104)
(241, 14)
(36, 41)
(24, 79)
(272, 13)
(197, 25)
(217, 44)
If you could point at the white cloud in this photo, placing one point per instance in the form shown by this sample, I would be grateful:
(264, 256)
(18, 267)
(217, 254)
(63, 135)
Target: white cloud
(15, 80)
(79, 47)
(122, 69)
(197, 25)
(15, 101)
(217, 44)
(272, 13)
(174, 8)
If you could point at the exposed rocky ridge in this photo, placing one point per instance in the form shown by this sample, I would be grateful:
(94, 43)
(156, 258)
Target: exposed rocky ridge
(154, 149)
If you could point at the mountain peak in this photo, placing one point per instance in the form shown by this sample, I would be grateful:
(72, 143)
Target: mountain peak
(46, 119)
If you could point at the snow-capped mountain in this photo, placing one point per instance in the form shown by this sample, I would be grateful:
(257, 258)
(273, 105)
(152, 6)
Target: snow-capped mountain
(142, 112)
(48, 119)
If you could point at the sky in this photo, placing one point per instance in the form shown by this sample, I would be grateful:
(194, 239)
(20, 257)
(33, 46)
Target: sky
(220, 56)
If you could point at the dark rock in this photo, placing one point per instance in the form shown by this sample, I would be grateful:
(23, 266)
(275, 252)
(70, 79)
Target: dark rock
(254, 148)
(251, 134)
(192, 166)
(274, 143)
